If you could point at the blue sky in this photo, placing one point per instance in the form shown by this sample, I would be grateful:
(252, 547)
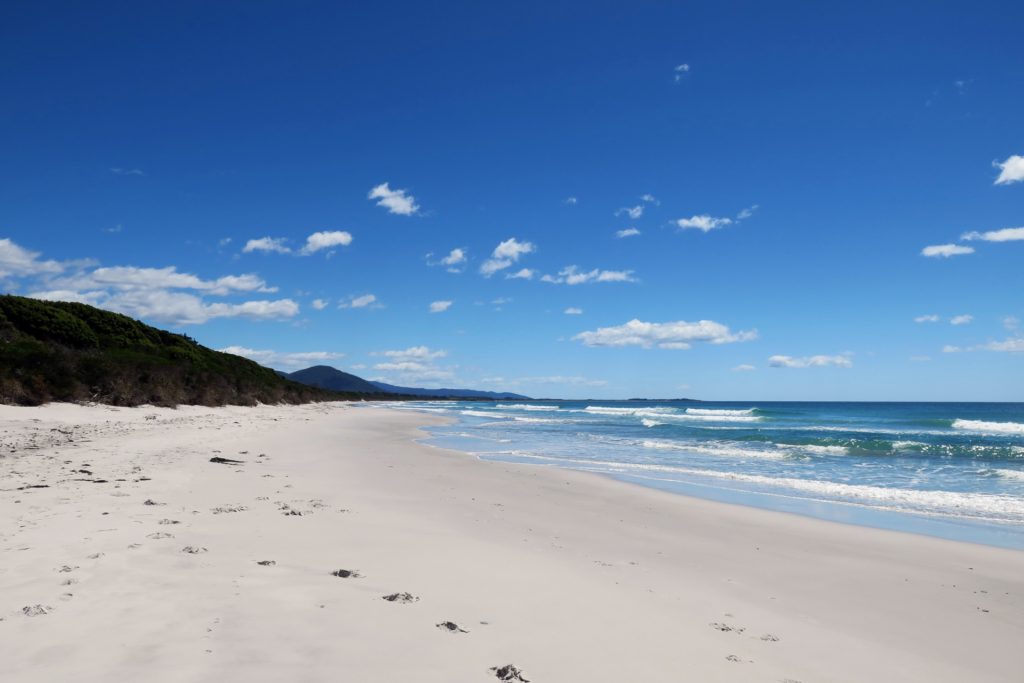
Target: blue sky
(253, 173)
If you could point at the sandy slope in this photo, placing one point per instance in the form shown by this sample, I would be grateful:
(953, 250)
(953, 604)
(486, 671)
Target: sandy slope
(569, 576)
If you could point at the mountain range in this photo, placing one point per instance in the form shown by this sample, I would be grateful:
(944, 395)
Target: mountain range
(326, 377)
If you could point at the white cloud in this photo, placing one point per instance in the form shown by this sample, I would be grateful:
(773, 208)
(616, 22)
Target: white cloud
(927, 319)
(1011, 322)
(176, 308)
(571, 201)
(670, 335)
(961, 319)
(703, 222)
(1011, 170)
(1004, 235)
(440, 306)
(633, 212)
(683, 68)
(744, 368)
(571, 275)
(320, 304)
(522, 274)
(395, 201)
(454, 257)
(364, 301)
(680, 71)
(840, 361)
(17, 261)
(1011, 345)
(414, 364)
(275, 244)
(628, 232)
(277, 359)
(572, 310)
(747, 212)
(949, 348)
(650, 199)
(946, 250)
(326, 240)
(504, 255)
(415, 353)
(561, 379)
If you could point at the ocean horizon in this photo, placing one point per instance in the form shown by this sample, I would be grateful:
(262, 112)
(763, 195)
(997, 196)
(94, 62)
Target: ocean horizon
(952, 470)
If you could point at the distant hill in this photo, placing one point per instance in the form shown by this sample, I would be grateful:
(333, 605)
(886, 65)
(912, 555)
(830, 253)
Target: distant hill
(60, 351)
(450, 393)
(326, 377)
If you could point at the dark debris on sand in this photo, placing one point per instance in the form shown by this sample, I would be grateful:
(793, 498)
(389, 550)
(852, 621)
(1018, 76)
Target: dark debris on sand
(452, 627)
(346, 574)
(509, 672)
(403, 598)
(226, 461)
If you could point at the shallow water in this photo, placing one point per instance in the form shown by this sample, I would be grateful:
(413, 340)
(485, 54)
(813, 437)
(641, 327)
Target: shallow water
(946, 469)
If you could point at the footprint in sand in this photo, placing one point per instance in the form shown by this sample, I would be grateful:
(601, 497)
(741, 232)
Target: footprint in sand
(401, 598)
(36, 610)
(159, 535)
(726, 628)
(266, 563)
(770, 638)
(193, 549)
(452, 627)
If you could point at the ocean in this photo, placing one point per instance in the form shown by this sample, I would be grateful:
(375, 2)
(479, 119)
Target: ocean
(954, 470)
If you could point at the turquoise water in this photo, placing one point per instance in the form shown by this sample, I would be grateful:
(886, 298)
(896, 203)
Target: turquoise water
(946, 469)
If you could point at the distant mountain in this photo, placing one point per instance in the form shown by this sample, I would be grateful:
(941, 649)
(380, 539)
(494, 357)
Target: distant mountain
(61, 351)
(450, 393)
(326, 377)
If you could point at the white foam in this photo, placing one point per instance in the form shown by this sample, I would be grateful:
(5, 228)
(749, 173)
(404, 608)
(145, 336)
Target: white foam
(605, 410)
(715, 449)
(711, 411)
(989, 427)
(650, 423)
(1014, 475)
(523, 406)
(480, 413)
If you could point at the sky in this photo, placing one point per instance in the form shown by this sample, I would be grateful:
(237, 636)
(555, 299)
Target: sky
(718, 200)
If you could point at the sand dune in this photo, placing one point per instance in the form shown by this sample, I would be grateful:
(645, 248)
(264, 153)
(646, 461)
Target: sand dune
(320, 543)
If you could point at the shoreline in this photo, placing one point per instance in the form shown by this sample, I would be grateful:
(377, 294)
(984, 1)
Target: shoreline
(578, 577)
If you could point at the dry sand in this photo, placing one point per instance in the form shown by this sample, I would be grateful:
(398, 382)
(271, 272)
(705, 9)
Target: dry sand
(568, 576)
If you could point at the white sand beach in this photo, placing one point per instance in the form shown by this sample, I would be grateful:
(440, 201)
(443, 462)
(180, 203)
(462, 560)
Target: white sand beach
(140, 560)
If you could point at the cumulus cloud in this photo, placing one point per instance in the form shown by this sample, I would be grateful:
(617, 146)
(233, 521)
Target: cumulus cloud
(670, 335)
(1011, 170)
(414, 364)
(927, 319)
(454, 262)
(946, 250)
(440, 306)
(17, 261)
(633, 212)
(505, 254)
(840, 361)
(395, 201)
(268, 244)
(572, 275)
(522, 274)
(744, 368)
(628, 232)
(1011, 345)
(325, 240)
(364, 301)
(278, 359)
(961, 319)
(703, 222)
(570, 201)
(1004, 235)
(572, 310)
(561, 379)
(320, 304)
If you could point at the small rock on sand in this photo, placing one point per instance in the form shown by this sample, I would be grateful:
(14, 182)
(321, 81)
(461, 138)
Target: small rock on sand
(452, 627)
(346, 573)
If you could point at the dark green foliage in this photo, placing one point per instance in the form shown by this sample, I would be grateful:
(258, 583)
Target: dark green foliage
(56, 351)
